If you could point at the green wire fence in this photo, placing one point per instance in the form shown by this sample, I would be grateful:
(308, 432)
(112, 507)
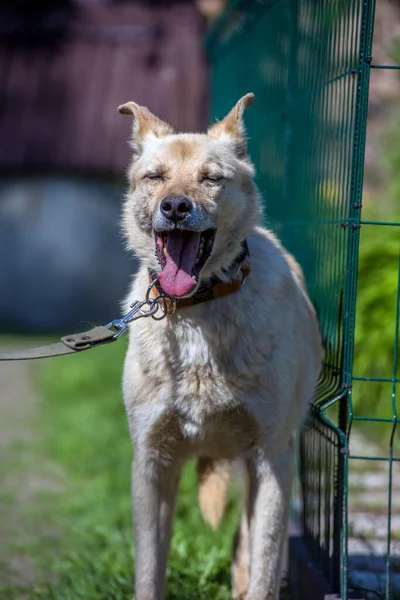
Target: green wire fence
(308, 63)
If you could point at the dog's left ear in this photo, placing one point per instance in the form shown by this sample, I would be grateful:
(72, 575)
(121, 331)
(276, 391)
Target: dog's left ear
(145, 124)
(233, 124)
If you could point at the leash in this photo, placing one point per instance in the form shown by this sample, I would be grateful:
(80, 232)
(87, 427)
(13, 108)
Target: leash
(98, 336)
(156, 300)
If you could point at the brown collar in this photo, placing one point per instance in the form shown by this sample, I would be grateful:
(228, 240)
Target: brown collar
(215, 289)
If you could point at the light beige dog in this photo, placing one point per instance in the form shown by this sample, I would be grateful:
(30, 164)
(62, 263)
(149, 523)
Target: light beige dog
(223, 379)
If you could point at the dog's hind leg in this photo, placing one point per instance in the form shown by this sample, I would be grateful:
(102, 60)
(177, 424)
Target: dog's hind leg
(214, 480)
(270, 490)
(153, 497)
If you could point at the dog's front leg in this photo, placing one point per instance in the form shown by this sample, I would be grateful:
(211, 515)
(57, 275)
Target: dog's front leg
(270, 490)
(153, 498)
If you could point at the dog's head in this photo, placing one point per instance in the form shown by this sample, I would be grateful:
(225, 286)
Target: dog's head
(191, 199)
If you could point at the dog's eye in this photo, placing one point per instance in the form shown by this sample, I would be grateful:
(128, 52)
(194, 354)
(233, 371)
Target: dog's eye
(212, 178)
(154, 176)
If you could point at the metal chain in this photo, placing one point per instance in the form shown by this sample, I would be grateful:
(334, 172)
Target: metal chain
(140, 309)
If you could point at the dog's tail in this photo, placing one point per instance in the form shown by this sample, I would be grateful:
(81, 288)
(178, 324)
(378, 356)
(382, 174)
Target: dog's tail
(214, 479)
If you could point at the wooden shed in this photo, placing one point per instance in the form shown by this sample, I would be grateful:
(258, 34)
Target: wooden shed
(66, 66)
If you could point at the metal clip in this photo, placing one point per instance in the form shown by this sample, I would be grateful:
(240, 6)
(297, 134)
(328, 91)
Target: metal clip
(118, 326)
(138, 311)
(161, 302)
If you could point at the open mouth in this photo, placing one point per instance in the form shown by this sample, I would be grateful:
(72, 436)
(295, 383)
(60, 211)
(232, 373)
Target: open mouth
(182, 254)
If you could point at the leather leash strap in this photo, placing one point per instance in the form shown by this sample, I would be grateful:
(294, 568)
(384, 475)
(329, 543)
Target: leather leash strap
(69, 344)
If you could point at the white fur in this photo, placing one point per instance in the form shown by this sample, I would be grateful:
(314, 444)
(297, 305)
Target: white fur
(226, 379)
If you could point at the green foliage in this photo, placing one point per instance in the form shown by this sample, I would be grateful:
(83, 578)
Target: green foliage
(376, 317)
(377, 292)
(391, 163)
(85, 433)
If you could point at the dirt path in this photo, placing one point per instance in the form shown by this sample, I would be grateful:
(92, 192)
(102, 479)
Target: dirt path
(25, 474)
(368, 519)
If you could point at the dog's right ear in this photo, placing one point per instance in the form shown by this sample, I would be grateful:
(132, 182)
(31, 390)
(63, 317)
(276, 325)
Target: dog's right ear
(145, 125)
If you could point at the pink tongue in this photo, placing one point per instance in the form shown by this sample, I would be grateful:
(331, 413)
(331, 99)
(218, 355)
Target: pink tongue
(182, 247)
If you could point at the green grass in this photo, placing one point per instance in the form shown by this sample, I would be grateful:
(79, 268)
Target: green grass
(89, 554)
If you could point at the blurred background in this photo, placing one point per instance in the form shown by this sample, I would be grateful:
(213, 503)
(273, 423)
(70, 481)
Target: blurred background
(65, 67)
(65, 452)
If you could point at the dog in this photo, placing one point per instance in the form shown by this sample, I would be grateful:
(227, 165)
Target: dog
(229, 372)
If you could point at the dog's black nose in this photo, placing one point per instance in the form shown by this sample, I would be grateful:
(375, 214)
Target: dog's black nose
(176, 208)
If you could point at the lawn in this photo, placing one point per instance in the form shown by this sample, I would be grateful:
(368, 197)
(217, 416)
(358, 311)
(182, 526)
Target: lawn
(88, 553)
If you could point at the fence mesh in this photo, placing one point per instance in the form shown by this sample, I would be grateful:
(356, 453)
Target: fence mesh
(309, 64)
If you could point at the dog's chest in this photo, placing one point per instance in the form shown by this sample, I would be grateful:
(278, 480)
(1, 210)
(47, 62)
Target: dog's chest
(204, 368)
(202, 376)
(174, 432)
(201, 366)
(208, 375)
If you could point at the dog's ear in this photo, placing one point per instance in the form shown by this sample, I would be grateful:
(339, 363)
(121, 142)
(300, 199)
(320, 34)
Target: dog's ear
(145, 124)
(233, 124)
